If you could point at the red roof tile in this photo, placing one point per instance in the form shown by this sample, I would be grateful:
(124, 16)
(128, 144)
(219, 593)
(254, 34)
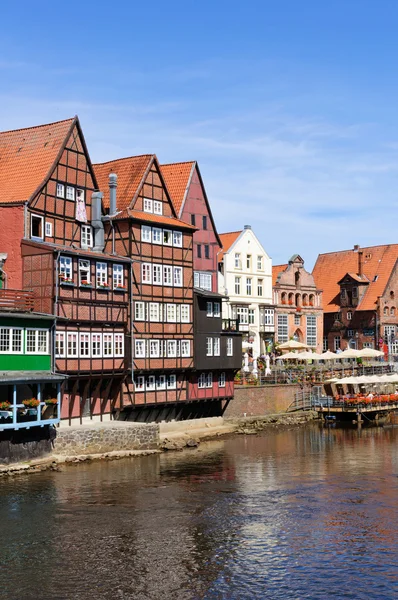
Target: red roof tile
(27, 158)
(227, 239)
(276, 269)
(378, 263)
(177, 177)
(130, 173)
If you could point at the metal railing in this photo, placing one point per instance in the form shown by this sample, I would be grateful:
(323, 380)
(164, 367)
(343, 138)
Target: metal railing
(19, 300)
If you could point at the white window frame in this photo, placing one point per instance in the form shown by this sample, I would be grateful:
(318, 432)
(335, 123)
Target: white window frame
(66, 267)
(161, 382)
(36, 348)
(260, 287)
(154, 312)
(10, 340)
(150, 383)
(84, 266)
(221, 380)
(349, 315)
(177, 276)
(157, 272)
(171, 348)
(185, 348)
(86, 236)
(209, 309)
(312, 330)
(184, 311)
(146, 273)
(237, 260)
(72, 335)
(167, 233)
(157, 207)
(216, 346)
(60, 190)
(41, 219)
(147, 205)
(96, 344)
(171, 313)
(260, 263)
(171, 381)
(216, 309)
(230, 346)
(70, 192)
(209, 379)
(118, 345)
(282, 328)
(139, 311)
(249, 286)
(101, 275)
(118, 276)
(139, 383)
(167, 275)
(337, 342)
(209, 346)
(60, 349)
(202, 381)
(48, 229)
(156, 236)
(84, 338)
(203, 280)
(177, 239)
(107, 343)
(139, 348)
(237, 286)
(146, 233)
(154, 348)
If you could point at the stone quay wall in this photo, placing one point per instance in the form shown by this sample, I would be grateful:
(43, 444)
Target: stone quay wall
(106, 437)
(260, 400)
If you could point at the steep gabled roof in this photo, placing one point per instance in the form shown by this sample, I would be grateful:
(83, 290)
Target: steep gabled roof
(276, 270)
(177, 177)
(227, 239)
(28, 157)
(378, 264)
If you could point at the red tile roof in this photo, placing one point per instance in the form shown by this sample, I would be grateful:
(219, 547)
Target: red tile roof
(130, 173)
(227, 239)
(27, 158)
(378, 263)
(177, 177)
(276, 269)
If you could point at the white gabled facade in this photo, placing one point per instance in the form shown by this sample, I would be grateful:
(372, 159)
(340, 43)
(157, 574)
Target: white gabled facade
(245, 276)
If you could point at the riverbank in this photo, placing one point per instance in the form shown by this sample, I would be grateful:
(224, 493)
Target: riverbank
(173, 436)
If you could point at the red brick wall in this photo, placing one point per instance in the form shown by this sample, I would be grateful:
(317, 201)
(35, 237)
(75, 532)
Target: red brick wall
(11, 233)
(261, 400)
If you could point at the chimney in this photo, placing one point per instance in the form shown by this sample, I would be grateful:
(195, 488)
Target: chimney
(360, 263)
(112, 194)
(96, 221)
(356, 247)
(247, 227)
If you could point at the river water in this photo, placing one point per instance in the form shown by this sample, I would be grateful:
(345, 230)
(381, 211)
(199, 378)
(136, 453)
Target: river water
(300, 513)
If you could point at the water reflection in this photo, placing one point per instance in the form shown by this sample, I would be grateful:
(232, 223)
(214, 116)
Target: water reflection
(308, 513)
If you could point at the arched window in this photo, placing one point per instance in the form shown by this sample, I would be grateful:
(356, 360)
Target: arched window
(392, 295)
(392, 311)
(312, 300)
(298, 300)
(291, 298)
(297, 277)
(385, 311)
(305, 300)
(284, 298)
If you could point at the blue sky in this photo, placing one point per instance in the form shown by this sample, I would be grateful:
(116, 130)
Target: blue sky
(289, 107)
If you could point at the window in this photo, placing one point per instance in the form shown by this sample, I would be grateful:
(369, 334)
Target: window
(96, 339)
(216, 309)
(207, 251)
(84, 344)
(385, 311)
(251, 316)
(355, 292)
(70, 192)
(184, 313)
(350, 332)
(325, 344)
(49, 229)
(216, 346)
(349, 316)
(157, 274)
(60, 190)
(248, 286)
(297, 319)
(167, 237)
(139, 383)
(177, 239)
(146, 233)
(242, 314)
(60, 344)
(148, 206)
(199, 250)
(171, 382)
(71, 344)
(36, 227)
(193, 220)
(237, 286)
(238, 264)
(139, 311)
(157, 207)
(16, 340)
(259, 263)
(209, 309)
(101, 272)
(267, 316)
(107, 348)
(146, 270)
(37, 341)
(185, 348)
(343, 294)
(248, 261)
(154, 348)
(161, 383)
(171, 313)
(209, 346)
(283, 331)
(139, 348)
(156, 235)
(336, 342)
(87, 236)
(311, 330)
(118, 339)
(11, 340)
(204, 221)
(65, 268)
(202, 380)
(392, 295)
(221, 380)
(118, 277)
(178, 276)
(202, 280)
(392, 311)
(171, 347)
(167, 275)
(230, 346)
(209, 380)
(151, 383)
(154, 312)
(259, 287)
(84, 272)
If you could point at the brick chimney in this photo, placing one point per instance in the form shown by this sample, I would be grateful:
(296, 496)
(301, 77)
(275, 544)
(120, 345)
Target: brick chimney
(360, 263)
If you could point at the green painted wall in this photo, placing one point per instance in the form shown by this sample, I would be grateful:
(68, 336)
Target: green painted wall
(25, 362)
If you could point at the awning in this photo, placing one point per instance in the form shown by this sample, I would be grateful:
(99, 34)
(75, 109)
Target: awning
(8, 377)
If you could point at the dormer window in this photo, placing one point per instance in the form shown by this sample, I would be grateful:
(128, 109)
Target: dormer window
(70, 192)
(148, 205)
(343, 294)
(36, 227)
(349, 316)
(60, 190)
(355, 292)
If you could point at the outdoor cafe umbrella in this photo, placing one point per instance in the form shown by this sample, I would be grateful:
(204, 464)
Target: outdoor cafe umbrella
(289, 356)
(350, 353)
(292, 345)
(370, 353)
(328, 355)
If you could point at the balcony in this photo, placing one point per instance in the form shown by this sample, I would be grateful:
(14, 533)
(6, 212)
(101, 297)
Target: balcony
(230, 325)
(18, 300)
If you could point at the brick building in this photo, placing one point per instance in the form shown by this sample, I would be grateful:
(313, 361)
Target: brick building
(360, 288)
(298, 304)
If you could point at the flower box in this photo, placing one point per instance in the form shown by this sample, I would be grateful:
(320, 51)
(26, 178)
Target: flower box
(103, 286)
(51, 401)
(120, 288)
(5, 405)
(31, 402)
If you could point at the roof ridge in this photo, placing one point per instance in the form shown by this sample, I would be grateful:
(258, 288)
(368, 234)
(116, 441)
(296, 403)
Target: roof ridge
(40, 126)
(360, 248)
(122, 158)
(229, 232)
(182, 162)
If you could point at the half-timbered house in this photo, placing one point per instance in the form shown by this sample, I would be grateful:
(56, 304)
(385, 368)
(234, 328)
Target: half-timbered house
(51, 227)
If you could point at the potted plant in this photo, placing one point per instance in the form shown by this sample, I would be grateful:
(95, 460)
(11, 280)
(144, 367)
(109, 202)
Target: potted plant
(51, 401)
(31, 402)
(5, 405)
(85, 283)
(120, 287)
(103, 286)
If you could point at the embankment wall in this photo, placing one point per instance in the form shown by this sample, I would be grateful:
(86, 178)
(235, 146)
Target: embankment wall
(261, 400)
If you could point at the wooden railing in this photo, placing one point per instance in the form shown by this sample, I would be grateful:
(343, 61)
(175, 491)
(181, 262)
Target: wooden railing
(16, 300)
